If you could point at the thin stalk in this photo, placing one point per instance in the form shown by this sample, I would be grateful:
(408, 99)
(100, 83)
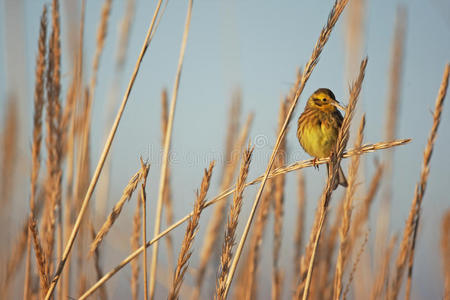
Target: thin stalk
(144, 226)
(101, 161)
(167, 141)
(334, 166)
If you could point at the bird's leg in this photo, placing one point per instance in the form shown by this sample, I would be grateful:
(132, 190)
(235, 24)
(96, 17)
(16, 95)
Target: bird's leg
(315, 165)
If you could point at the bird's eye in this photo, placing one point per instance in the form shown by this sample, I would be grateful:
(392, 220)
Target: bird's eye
(324, 99)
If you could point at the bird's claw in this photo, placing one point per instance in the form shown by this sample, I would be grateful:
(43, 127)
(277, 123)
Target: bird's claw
(315, 165)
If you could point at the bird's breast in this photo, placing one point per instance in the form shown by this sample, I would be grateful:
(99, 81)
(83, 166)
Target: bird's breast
(317, 134)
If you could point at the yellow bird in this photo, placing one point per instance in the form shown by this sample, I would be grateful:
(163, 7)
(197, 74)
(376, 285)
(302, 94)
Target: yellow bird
(318, 127)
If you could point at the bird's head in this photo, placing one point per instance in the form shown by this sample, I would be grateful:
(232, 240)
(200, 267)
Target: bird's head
(324, 100)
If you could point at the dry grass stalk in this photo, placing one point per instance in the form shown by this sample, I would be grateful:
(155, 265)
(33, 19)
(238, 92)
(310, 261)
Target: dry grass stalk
(98, 269)
(53, 141)
(191, 231)
(234, 114)
(300, 228)
(321, 288)
(379, 289)
(101, 161)
(9, 151)
(86, 125)
(15, 258)
(407, 246)
(82, 283)
(215, 223)
(101, 37)
(69, 125)
(256, 243)
(355, 25)
(103, 190)
(126, 195)
(402, 255)
(167, 194)
(41, 260)
(362, 215)
(344, 249)
(354, 34)
(328, 242)
(134, 241)
(37, 135)
(81, 185)
(292, 167)
(167, 141)
(124, 33)
(445, 248)
(320, 44)
(58, 143)
(279, 181)
(355, 264)
(230, 232)
(392, 108)
(143, 196)
(234, 146)
(38, 107)
(425, 171)
(335, 159)
(395, 76)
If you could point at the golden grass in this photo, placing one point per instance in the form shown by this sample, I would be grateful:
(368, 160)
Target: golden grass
(299, 232)
(191, 232)
(37, 136)
(126, 196)
(234, 145)
(217, 221)
(167, 142)
(251, 271)
(41, 260)
(52, 228)
(97, 266)
(407, 245)
(379, 289)
(15, 258)
(143, 196)
(344, 249)
(134, 241)
(167, 194)
(232, 222)
(278, 203)
(390, 130)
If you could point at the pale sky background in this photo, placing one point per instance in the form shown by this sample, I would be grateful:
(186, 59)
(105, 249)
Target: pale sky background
(257, 46)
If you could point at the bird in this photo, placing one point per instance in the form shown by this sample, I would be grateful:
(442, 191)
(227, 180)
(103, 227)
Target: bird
(318, 128)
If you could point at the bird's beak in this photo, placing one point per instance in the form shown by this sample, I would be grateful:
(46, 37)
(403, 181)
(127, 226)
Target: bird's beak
(338, 105)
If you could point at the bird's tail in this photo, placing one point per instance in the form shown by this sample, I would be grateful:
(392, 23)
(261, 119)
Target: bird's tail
(341, 180)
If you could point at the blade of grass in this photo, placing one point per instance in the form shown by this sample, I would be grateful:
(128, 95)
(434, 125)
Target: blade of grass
(425, 172)
(167, 142)
(102, 159)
